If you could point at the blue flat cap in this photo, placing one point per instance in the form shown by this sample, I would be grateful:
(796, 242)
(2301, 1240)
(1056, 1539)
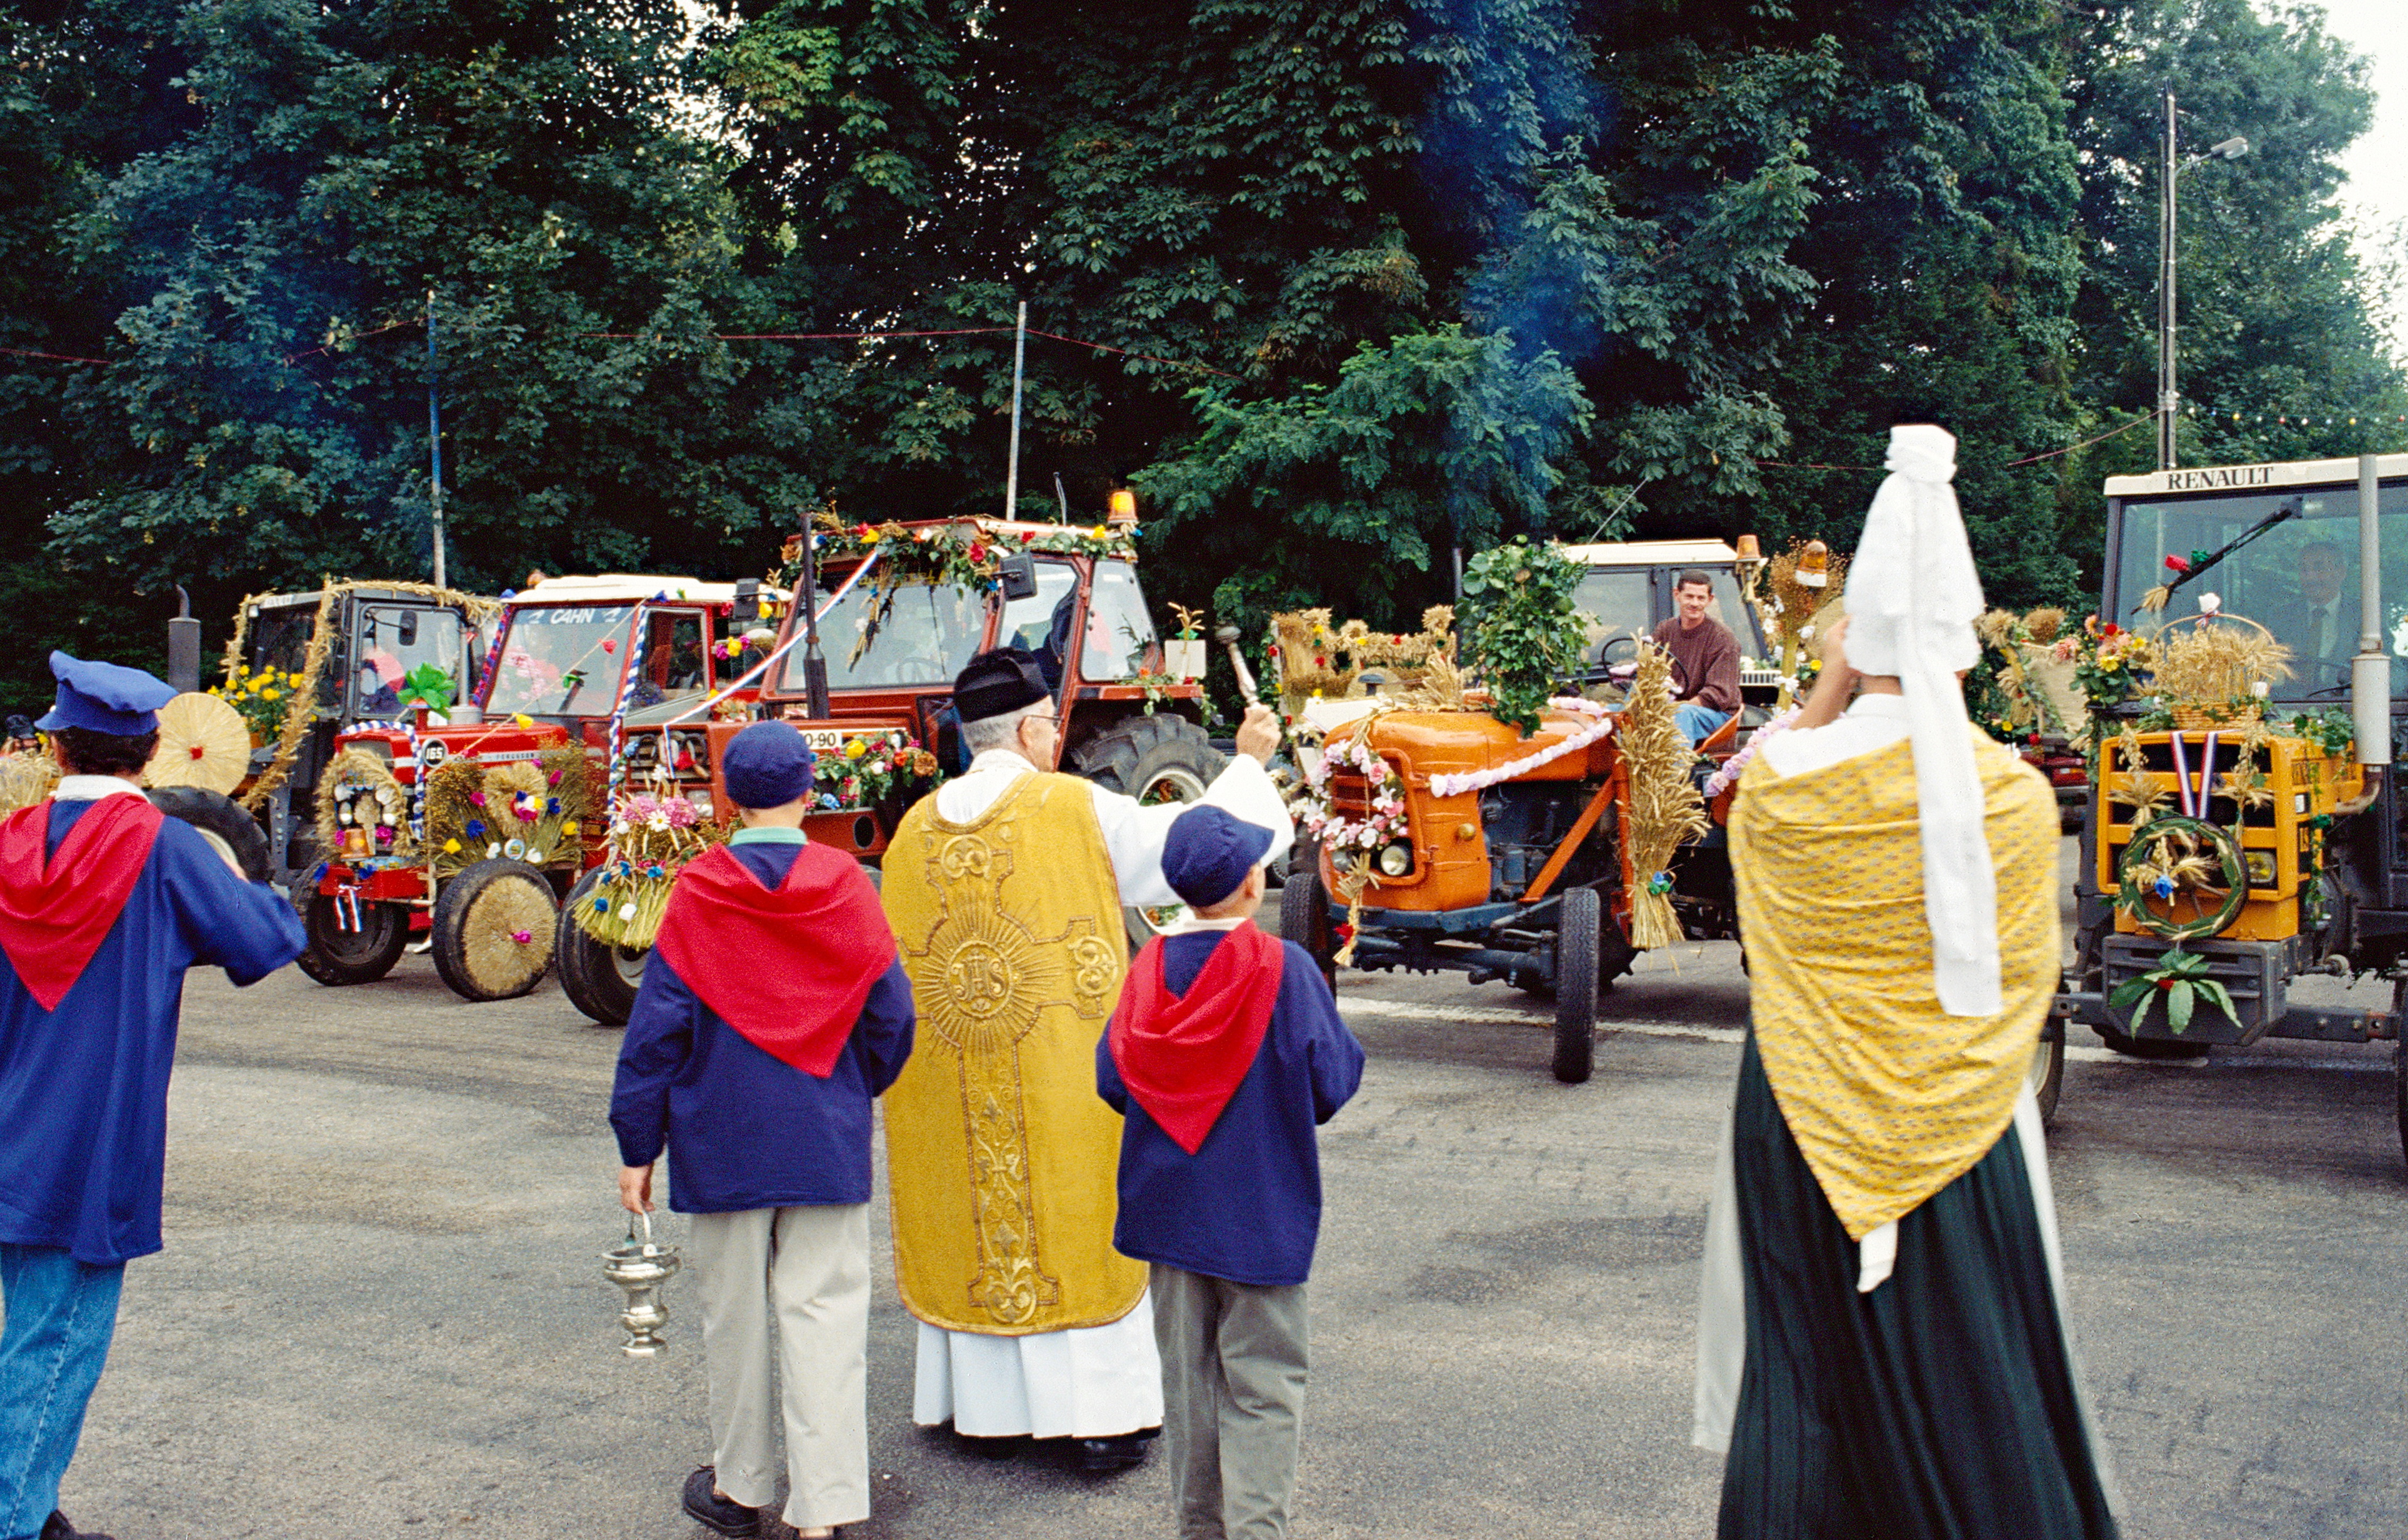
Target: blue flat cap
(104, 698)
(768, 766)
(1209, 852)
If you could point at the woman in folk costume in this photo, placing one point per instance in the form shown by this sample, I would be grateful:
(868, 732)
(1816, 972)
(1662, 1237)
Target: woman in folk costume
(1882, 1344)
(1004, 888)
(772, 1015)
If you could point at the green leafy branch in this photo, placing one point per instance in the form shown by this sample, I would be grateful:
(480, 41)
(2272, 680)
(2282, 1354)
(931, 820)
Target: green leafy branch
(1526, 636)
(2182, 977)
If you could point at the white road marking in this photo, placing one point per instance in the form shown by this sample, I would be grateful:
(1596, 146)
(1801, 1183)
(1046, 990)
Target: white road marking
(1357, 1004)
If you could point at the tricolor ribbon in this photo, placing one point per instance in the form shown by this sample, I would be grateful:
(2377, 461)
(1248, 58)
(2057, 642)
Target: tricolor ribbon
(2190, 799)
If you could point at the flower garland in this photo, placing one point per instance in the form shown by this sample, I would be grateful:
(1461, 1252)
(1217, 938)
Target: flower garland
(1384, 797)
(1725, 777)
(864, 774)
(1480, 780)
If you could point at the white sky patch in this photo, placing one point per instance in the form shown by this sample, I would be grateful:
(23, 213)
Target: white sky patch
(2376, 198)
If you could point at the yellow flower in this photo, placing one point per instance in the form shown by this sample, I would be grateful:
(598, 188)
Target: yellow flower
(568, 828)
(1098, 532)
(451, 846)
(854, 749)
(523, 719)
(269, 694)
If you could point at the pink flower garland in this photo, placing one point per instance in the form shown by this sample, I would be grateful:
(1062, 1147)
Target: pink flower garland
(1721, 781)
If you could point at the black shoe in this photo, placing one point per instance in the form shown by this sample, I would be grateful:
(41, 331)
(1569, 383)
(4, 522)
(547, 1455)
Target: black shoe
(1097, 1456)
(1003, 1448)
(713, 1512)
(57, 1528)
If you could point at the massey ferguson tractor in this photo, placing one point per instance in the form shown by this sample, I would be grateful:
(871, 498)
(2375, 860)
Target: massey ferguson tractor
(458, 834)
(900, 609)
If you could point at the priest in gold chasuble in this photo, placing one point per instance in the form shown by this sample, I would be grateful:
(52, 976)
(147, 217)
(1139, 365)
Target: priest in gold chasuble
(1004, 888)
(1882, 1347)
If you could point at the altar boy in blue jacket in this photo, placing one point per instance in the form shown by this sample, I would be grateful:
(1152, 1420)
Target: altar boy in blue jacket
(773, 1013)
(1224, 1056)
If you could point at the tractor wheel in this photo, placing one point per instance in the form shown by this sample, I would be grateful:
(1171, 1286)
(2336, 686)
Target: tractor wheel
(235, 835)
(600, 980)
(336, 956)
(2047, 1076)
(493, 929)
(1155, 760)
(1304, 918)
(1578, 922)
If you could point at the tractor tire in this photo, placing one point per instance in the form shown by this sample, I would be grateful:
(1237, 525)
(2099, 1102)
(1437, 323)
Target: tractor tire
(235, 835)
(598, 979)
(335, 957)
(1579, 923)
(1304, 918)
(1153, 759)
(2047, 1076)
(479, 919)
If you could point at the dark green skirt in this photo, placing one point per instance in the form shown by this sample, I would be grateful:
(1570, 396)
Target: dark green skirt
(1939, 1407)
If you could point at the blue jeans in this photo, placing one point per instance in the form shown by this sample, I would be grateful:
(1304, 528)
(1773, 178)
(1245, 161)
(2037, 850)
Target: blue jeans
(60, 1314)
(1698, 722)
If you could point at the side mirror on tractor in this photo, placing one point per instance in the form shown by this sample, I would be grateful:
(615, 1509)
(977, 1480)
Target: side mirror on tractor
(1018, 573)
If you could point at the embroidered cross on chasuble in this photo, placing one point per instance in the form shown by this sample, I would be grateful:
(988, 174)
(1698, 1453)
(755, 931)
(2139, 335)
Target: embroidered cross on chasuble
(1000, 1157)
(1890, 1100)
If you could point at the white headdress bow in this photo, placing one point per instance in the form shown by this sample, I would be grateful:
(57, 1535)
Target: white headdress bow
(1913, 596)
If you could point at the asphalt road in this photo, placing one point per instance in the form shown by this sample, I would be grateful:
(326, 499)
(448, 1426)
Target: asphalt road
(380, 1311)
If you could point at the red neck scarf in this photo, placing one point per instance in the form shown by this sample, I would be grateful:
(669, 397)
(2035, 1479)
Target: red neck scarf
(1182, 1056)
(55, 913)
(788, 969)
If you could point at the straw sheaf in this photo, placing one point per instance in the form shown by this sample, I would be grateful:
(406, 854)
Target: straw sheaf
(26, 780)
(1665, 809)
(2201, 662)
(1798, 605)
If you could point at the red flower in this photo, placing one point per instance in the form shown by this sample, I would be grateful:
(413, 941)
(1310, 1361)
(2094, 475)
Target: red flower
(977, 552)
(1026, 535)
(1342, 933)
(2178, 564)
(2113, 630)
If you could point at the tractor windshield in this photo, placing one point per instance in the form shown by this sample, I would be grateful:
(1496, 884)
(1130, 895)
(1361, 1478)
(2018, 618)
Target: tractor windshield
(2299, 579)
(394, 643)
(924, 637)
(562, 662)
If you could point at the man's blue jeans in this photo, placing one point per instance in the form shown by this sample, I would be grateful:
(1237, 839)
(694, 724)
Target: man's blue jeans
(1698, 722)
(60, 1316)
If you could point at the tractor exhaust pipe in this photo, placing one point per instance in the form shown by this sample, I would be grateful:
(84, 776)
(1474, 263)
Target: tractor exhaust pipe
(2369, 674)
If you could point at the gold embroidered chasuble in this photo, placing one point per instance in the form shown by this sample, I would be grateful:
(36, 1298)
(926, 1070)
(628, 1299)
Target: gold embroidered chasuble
(1001, 1159)
(1889, 1098)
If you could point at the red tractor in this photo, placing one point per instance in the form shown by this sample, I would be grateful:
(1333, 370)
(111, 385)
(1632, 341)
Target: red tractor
(459, 835)
(908, 606)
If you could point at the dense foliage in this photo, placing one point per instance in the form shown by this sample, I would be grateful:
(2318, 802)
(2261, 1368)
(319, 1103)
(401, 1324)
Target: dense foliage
(1391, 280)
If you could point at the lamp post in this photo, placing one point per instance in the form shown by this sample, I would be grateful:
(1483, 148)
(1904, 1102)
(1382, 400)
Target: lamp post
(2168, 398)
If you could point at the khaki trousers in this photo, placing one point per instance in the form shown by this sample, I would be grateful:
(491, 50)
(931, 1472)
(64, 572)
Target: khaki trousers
(809, 1266)
(1234, 1357)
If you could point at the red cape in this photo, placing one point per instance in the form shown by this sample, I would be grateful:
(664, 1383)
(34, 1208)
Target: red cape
(788, 969)
(1182, 1056)
(55, 914)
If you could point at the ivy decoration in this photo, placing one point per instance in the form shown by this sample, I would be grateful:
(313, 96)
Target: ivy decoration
(1525, 637)
(2172, 860)
(2332, 731)
(2182, 977)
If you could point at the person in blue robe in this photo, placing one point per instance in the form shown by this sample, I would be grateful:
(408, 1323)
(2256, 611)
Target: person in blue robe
(773, 1012)
(104, 903)
(1225, 1057)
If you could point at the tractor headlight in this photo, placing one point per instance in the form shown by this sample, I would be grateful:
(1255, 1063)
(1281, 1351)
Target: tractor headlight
(1395, 859)
(2261, 865)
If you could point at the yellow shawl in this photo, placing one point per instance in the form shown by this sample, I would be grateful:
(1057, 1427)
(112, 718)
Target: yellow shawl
(1889, 1099)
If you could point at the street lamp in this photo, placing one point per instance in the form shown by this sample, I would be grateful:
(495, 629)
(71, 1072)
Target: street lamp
(2170, 399)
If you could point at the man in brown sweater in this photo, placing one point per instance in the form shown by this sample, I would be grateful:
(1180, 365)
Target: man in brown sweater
(1705, 659)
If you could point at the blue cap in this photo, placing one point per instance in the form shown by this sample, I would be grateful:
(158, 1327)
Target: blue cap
(104, 698)
(766, 765)
(1209, 852)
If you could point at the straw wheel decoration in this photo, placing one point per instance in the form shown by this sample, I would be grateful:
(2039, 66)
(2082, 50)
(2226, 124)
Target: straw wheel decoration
(493, 930)
(203, 742)
(2181, 877)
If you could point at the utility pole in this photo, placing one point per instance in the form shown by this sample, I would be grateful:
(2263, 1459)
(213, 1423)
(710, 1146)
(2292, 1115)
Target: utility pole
(2169, 229)
(434, 441)
(1012, 470)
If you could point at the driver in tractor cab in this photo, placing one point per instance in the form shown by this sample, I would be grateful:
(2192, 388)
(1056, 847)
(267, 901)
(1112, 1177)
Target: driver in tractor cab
(380, 677)
(1705, 659)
